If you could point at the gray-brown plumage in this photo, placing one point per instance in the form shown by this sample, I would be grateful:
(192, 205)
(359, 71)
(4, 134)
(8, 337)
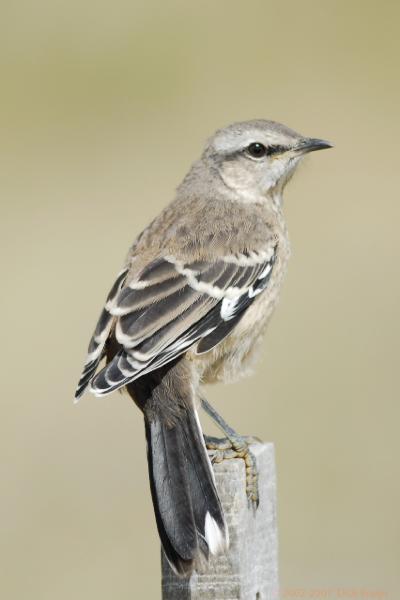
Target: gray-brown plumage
(189, 307)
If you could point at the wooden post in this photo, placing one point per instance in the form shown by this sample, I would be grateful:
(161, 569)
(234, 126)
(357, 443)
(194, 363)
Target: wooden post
(249, 570)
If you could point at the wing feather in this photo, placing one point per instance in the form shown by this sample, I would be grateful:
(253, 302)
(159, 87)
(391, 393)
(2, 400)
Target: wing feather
(100, 336)
(172, 305)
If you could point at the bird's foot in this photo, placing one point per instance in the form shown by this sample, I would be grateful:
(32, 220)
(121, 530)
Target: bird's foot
(237, 447)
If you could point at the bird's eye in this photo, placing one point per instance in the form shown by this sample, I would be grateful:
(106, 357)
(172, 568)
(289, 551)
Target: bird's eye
(256, 150)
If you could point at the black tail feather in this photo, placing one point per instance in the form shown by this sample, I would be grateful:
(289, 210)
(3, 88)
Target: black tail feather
(188, 511)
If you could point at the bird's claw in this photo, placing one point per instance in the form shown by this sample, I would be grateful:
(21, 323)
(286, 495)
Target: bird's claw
(238, 447)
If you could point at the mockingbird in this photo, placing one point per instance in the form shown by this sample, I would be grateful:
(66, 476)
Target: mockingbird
(189, 307)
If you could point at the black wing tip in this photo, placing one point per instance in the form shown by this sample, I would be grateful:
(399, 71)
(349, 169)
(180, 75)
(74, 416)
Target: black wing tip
(78, 394)
(95, 388)
(86, 377)
(80, 390)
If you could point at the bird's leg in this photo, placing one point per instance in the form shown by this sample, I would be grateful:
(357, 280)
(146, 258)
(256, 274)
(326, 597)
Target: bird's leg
(233, 446)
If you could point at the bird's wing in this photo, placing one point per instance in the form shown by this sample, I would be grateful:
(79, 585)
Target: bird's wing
(100, 336)
(170, 306)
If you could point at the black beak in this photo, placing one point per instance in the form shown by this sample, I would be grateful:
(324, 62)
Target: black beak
(311, 144)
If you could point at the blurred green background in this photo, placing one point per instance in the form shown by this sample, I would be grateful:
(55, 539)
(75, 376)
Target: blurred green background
(103, 108)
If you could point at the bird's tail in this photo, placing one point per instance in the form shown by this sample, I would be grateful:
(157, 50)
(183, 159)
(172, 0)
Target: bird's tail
(188, 512)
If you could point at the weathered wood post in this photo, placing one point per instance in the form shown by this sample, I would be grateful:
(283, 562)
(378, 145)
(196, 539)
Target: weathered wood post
(249, 570)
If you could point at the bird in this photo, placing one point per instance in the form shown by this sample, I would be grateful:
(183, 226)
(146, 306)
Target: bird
(190, 307)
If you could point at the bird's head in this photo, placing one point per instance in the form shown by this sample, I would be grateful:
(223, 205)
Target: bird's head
(257, 158)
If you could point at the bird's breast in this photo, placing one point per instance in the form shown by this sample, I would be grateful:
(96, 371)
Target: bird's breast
(235, 356)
